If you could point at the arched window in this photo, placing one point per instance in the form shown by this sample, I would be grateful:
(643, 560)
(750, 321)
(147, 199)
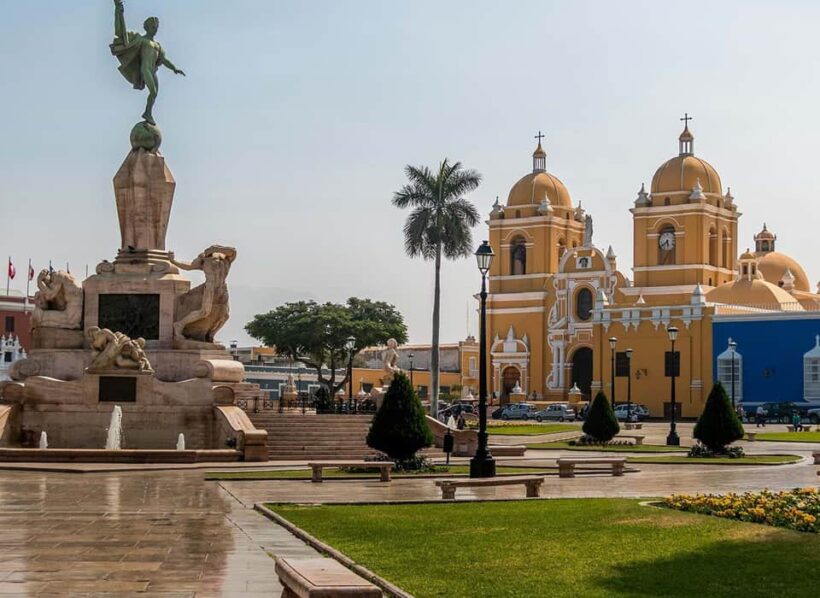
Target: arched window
(667, 245)
(666, 201)
(764, 246)
(713, 247)
(725, 369)
(811, 372)
(583, 304)
(518, 257)
(727, 249)
(562, 247)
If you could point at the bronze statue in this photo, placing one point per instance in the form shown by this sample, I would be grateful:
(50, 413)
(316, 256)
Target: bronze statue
(140, 56)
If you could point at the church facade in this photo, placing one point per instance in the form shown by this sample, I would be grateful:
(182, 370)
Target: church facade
(558, 302)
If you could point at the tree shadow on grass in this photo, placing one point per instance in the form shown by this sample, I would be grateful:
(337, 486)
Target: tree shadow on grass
(780, 563)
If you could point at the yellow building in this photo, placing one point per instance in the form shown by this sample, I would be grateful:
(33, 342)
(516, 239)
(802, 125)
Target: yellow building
(556, 299)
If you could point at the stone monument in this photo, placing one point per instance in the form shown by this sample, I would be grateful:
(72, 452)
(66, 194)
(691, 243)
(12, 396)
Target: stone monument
(135, 333)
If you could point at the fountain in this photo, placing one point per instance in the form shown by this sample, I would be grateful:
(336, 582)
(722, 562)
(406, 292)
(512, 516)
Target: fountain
(114, 440)
(43, 440)
(181, 442)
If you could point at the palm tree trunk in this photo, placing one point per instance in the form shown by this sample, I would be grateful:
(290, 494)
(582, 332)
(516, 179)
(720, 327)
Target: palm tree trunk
(434, 349)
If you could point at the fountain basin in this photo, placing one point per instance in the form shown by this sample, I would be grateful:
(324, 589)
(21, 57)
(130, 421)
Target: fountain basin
(68, 455)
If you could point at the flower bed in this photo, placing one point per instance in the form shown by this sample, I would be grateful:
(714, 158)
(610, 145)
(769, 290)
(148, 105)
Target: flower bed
(797, 509)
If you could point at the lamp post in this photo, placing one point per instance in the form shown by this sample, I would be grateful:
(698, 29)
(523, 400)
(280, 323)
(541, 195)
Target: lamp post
(411, 370)
(483, 464)
(732, 346)
(612, 342)
(628, 385)
(235, 350)
(350, 345)
(672, 439)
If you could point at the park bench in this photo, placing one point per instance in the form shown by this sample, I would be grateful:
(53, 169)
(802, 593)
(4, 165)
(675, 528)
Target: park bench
(566, 465)
(508, 450)
(751, 436)
(816, 456)
(448, 487)
(802, 428)
(384, 468)
(321, 577)
(638, 438)
(633, 426)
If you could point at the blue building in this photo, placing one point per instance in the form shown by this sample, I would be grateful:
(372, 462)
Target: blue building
(776, 356)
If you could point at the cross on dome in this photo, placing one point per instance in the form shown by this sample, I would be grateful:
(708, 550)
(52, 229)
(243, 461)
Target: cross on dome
(539, 156)
(686, 139)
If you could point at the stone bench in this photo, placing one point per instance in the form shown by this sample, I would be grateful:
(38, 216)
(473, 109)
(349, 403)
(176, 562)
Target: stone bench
(566, 465)
(533, 484)
(508, 450)
(638, 438)
(633, 426)
(751, 436)
(805, 428)
(816, 458)
(384, 468)
(321, 577)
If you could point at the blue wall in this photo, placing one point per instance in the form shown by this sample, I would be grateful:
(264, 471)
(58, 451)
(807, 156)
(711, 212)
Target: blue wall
(772, 347)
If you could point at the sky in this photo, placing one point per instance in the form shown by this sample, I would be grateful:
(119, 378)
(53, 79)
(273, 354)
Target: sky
(291, 130)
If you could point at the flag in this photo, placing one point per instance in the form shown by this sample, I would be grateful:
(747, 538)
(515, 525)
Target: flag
(12, 270)
(30, 271)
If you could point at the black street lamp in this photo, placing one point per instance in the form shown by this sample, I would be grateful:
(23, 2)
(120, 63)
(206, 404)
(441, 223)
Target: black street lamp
(483, 464)
(612, 342)
(350, 345)
(628, 385)
(732, 346)
(411, 370)
(673, 439)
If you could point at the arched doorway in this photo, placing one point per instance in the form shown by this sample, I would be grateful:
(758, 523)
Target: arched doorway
(509, 378)
(582, 370)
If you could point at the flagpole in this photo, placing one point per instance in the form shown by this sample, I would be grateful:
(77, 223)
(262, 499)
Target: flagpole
(8, 277)
(28, 286)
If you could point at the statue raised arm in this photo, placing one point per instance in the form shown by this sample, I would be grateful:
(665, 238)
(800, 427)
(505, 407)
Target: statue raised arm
(140, 55)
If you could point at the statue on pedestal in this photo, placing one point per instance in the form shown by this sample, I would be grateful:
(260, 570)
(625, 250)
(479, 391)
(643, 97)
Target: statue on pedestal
(58, 302)
(390, 360)
(140, 56)
(202, 311)
(116, 351)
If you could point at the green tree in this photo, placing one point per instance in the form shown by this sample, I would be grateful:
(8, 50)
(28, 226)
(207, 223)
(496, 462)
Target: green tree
(718, 425)
(317, 334)
(400, 428)
(601, 422)
(439, 225)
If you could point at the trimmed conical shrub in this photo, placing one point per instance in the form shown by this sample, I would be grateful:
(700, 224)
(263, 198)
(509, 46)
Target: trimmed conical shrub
(718, 425)
(601, 423)
(400, 428)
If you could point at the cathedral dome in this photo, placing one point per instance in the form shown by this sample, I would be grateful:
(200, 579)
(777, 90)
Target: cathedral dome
(685, 171)
(773, 266)
(754, 293)
(535, 187)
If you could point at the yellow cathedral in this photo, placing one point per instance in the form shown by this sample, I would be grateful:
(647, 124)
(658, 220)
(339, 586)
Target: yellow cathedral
(557, 302)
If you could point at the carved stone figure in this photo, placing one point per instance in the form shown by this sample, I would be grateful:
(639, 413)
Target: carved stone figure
(390, 360)
(140, 56)
(116, 351)
(202, 311)
(588, 231)
(58, 302)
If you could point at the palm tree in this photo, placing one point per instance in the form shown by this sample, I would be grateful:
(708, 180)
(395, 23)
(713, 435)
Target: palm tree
(439, 225)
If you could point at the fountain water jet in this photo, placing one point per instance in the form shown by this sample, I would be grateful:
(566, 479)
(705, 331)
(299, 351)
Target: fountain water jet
(114, 439)
(181, 442)
(43, 440)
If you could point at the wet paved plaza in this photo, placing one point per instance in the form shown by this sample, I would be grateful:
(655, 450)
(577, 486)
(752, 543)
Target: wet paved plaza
(170, 533)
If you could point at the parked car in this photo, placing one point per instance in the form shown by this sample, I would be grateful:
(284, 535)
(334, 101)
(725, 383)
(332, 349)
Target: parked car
(556, 412)
(778, 412)
(814, 415)
(496, 413)
(518, 411)
(636, 413)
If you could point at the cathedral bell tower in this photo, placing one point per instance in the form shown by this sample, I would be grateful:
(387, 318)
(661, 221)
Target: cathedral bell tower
(685, 228)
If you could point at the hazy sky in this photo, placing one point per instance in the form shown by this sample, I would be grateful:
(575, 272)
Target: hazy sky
(292, 128)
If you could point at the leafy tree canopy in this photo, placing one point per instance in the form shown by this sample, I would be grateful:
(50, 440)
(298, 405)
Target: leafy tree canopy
(317, 334)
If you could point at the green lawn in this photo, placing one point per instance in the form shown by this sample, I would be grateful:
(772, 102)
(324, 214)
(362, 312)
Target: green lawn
(749, 460)
(531, 429)
(575, 547)
(332, 472)
(642, 448)
(789, 436)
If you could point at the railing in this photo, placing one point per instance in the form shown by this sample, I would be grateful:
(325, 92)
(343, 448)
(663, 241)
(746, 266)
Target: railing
(789, 306)
(347, 407)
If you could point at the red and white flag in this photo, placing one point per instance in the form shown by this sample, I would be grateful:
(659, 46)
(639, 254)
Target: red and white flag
(30, 271)
(12, 270)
